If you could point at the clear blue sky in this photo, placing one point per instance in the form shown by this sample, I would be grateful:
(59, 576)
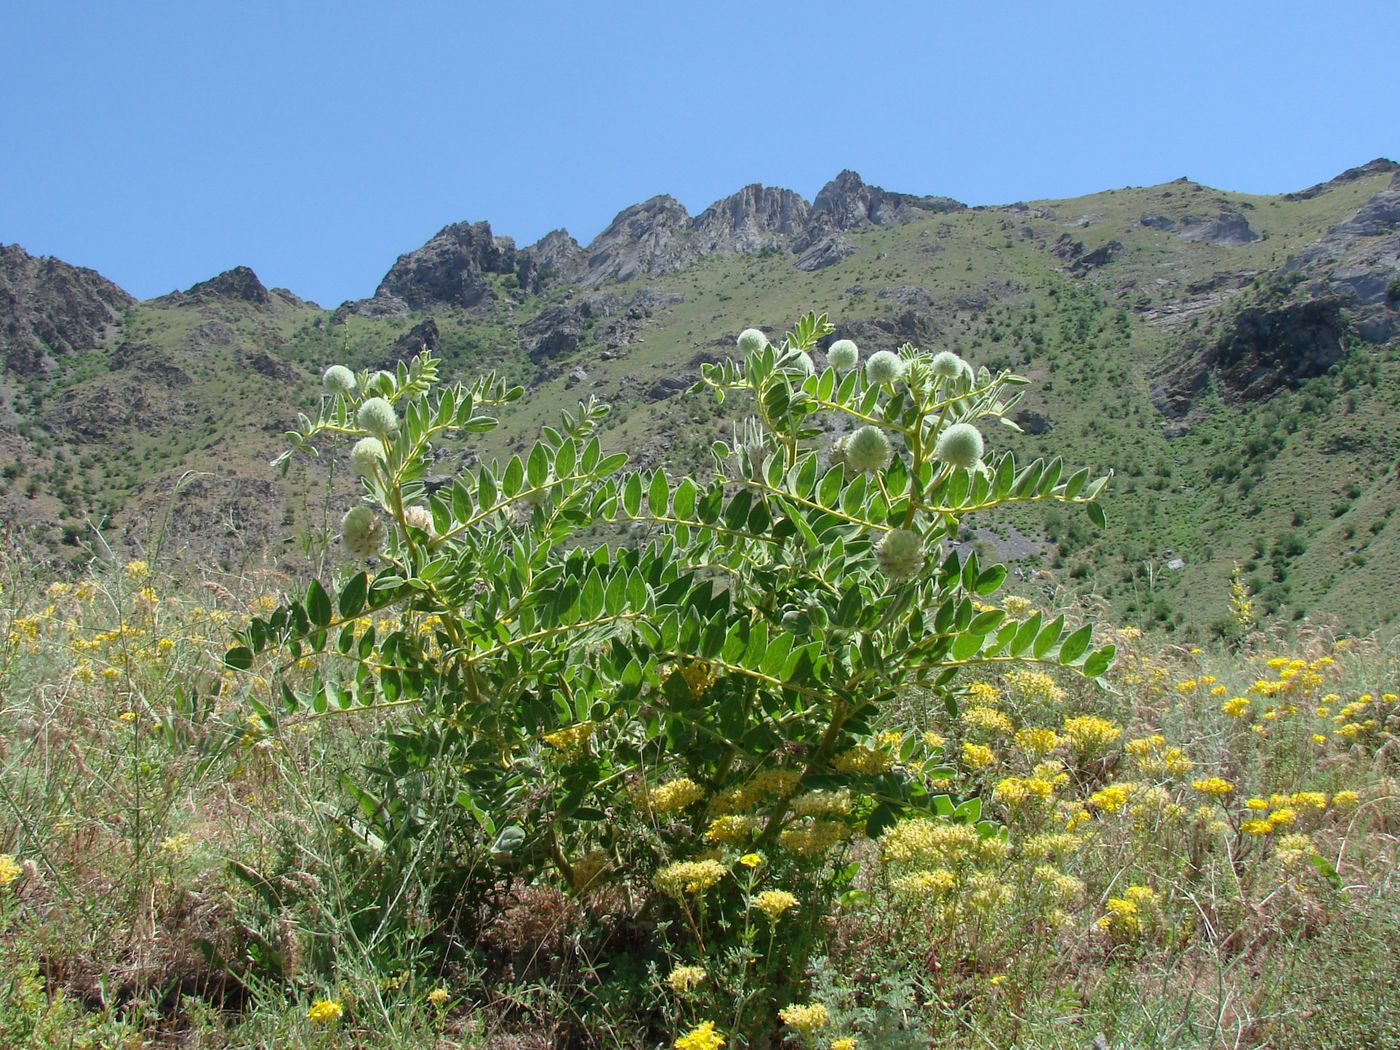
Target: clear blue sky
(315, 141)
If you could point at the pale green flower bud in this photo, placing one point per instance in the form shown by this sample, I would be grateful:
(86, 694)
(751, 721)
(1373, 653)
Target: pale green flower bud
(868, 449)
(338, 380)
(798, 361)
(960, 446)
(367, 454)
(378, 417)
(751, 341)
(884, 367)
(947, 365)
(362, 532)
(842, 354)
(419, 517)
(901, 554)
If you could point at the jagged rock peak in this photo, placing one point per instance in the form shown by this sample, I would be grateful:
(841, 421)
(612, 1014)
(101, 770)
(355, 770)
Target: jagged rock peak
(848, 202)
(750, 220)
(449, 269)
(49, 308)
(555, 256)
(645, 239)
(238, 283)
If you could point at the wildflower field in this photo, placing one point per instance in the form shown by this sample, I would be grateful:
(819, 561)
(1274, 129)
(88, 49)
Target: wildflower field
(1203, 855)
(791, 767)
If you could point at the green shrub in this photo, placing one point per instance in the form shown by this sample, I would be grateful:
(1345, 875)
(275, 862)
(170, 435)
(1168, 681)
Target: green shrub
(683, 719)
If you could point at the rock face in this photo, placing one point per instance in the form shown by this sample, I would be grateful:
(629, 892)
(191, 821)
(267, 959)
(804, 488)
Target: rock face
(642, 241)
(554, 257)
(1264, 349)
(240, 283)
(1358, 262)
(450, 269)
(49, 309)
(1379, 166)
(847, 202)
(422, 336)
(755, 218)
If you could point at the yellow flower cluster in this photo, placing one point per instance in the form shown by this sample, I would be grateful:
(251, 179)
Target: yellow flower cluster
(732, 828)
(864, 760)
(1218, 786)
(9, 870)
(987, 720)
(811, 839)
(1129, 915)
(807, 1019)
(1089, 735)
(688, 876)
(571, 738)
(977, 756)
(323, 1011)
(674, 795)
(772, 903)
(823, 803)
(1034, 687)
(685, 979)
(928, 843)
(983, 694)
(766, 784)
(702, 1037)
(1037, 741)
(1154, 757)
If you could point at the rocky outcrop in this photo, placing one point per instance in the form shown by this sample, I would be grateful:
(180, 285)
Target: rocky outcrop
(1358, 262)
(240, 284)
(755, 218)
(554, 257)
(49, 309)
(450, 270)
(828, 251)
(1379, 166)
(1266, 348)
(847, 202)
(644, 240)
(422, 336)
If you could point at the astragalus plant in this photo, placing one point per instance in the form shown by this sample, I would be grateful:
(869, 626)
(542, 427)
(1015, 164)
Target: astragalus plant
(634, 680)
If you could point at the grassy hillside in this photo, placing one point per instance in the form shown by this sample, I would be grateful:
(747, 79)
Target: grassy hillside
(1096, 299)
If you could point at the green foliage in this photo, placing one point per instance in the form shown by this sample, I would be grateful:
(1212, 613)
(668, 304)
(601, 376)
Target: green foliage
(611, 713)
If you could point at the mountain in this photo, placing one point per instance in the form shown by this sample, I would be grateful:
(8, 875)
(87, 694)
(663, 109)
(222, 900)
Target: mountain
(1234, 358)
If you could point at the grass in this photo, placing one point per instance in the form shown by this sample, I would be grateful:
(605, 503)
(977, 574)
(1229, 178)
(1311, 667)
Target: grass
(181, 873)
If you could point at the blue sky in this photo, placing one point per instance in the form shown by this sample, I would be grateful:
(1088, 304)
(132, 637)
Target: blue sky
(161, 143)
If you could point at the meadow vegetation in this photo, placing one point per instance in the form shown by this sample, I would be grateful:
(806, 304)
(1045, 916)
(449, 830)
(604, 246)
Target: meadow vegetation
(769, 764)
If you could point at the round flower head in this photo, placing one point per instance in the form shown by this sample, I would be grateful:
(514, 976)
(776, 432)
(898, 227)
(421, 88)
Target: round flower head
(798, 361)
(884, 367)
(378, 417)
(901, 554)
(751, 341)
(362, 532)
(366, 455)
(338, 380)
(959, 446)
(867, 449)
(419, 517)
(947, 365)
(842, 354)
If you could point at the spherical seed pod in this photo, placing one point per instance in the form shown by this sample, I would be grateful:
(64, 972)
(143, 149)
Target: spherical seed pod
(338, 380)
(843, 354)
(868, 449)
(901, 554)
(947, 365)
(378, 417)
(884, 367)
(751, 340)
(959, 446)
(362, 532)
(367, 454)
(419, 517)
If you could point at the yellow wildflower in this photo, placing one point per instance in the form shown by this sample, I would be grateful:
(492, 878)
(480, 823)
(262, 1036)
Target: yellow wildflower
(1037, 741)
(1112, 798)
(862, 759)
(933, 741)
(774, 902)
(674, 795)
(1235, 707)
(323, 1011)
(438, 997)
(1089, 735)
(1034, 687)
(688, 876)
(136, 571)
(1345, 799)
(845, 1043)
(685, 979)
(1212, 786)
(751, 860)
(987, 720)
(9, 870)
(807, 1019)
(733, 828)
(1256, 827)
(702, 1037)
(976, 756)
(570, 737)
(983, 694)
